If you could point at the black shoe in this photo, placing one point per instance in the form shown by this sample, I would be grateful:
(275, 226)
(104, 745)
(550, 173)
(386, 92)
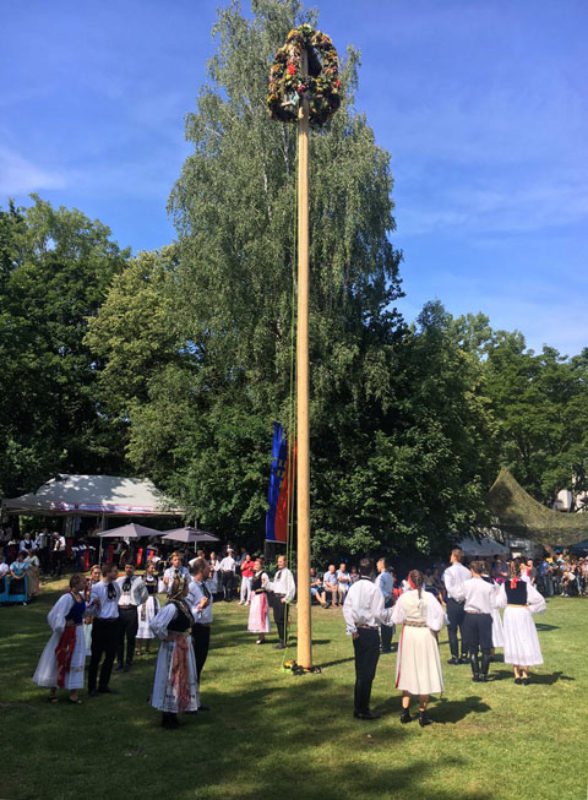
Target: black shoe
(365, 715)
(453, 661)
(169, 721)
(464, 660)
(405, 716)
(518, 681)
(475, 668)
(127, 667)
(424, 719)
(387, 650)
(108, 690)
(94, 693)
(118, 668)
(525, 681)
(279, 646)
(203, 708)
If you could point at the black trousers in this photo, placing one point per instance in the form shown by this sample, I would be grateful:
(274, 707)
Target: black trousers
(280, 615)
(129, 624)
(387, 631)
(477, 633)
(58, 559)
(201, 642)
(105, 639)
(367, 651)
(228, 580)
(455, 617)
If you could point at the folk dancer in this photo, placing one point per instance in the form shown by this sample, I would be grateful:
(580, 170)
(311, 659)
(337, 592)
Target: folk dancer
(133, 593)
(59, 547)
(174, 571)
(418, 667)
(520, 600)
(104, 597)
(148, 609)
(283, 591)
(62, 662)
(453, 578)
(479, 600)
(364, 611)
(385, 584)
(95, 577)
(259, 621)
(200, 602)
(175, 685)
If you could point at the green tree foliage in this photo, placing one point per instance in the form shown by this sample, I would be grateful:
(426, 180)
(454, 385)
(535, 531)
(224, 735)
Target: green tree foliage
(540, 401)
(55, 270)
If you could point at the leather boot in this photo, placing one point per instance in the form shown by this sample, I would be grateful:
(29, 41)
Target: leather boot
(486, 658)
(475, 667)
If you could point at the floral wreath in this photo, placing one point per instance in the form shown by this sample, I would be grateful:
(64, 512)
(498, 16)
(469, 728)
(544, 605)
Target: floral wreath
(287, 83)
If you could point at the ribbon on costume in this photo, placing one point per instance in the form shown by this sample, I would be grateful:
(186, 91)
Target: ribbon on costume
(64, 653)
(179, 673)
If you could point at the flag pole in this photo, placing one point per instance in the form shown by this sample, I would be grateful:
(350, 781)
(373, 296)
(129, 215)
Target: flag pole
(304, 649)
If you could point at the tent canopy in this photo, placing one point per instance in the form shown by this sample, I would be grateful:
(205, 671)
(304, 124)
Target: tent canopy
(485, 547)
(93, 495)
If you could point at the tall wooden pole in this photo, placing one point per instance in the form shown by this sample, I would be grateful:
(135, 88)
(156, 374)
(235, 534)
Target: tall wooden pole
(304, 655)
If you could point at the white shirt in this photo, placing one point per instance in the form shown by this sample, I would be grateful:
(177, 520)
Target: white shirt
(343, 579)
(196, 592)
(136, 595)
(228, 564)
(454, 577)
(108, 608)
(59, 544)
(364, 606)
(170, 574)
(283, 583)
(478, 595)
(4, 570)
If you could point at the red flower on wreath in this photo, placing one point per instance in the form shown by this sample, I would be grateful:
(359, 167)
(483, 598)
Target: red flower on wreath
(338, 83)
(291, 69)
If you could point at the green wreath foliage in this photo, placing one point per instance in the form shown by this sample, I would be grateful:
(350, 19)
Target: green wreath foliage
(287, 83)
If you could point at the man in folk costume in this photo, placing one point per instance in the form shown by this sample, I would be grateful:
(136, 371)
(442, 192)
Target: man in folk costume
(454, 577)
(175, 685)
(200, 602)
(364, 611)
(283, 591)
(175, 570)
(133, 593)
(104, 597)
(385, 584)
(479, 601)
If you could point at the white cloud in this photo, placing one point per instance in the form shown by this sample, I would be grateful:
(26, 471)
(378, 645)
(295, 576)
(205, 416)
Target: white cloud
(20, 176)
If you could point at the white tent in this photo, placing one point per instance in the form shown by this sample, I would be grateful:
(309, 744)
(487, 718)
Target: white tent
(485, 547)
(94, 495)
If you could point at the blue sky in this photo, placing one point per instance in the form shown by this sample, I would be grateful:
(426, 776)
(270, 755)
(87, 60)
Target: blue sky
(481, 103)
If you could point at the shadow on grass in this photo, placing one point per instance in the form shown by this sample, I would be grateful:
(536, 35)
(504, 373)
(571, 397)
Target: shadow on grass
(544, 680)
(542, 626)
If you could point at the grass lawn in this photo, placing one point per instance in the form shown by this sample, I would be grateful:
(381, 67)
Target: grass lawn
(273, 735)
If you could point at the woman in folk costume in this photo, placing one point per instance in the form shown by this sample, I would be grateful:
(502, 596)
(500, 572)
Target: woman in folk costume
(175, 687)
(497, 627)
(418, 666)
(147, 610)
(62, 662)
(259, 621)
(520, 600)
(33, 567)
(95, 577)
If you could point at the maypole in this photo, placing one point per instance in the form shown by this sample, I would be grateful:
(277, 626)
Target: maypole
(304, 88)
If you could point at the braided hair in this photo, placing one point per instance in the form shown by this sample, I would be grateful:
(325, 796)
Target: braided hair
(416, 577)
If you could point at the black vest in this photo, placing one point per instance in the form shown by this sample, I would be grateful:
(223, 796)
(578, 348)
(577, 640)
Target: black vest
(518, 595)
(181, 622)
